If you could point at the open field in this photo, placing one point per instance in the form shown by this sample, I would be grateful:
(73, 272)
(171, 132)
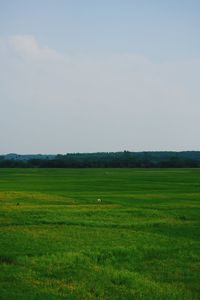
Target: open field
(141, 242)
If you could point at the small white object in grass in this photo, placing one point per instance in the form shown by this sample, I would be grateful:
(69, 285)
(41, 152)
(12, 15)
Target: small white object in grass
(99, 200)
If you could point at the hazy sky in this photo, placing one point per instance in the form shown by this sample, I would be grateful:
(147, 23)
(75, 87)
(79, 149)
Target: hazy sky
(85, 76)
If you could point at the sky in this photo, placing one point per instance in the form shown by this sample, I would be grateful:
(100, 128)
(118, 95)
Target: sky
(88, 76)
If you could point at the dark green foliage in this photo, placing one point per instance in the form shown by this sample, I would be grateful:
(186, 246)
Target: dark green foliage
(126, 159)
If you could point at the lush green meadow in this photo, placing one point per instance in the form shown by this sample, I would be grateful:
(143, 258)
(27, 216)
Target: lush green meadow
(141, 242)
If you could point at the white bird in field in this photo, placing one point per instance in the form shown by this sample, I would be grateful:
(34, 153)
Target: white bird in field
(99, 200)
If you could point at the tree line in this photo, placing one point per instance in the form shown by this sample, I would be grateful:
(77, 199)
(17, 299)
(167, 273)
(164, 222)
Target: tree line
(125, 159)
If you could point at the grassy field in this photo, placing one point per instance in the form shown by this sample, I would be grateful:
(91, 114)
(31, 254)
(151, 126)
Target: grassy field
(141, 242)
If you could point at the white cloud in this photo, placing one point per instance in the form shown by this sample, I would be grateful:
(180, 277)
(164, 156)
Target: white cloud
(26, 46)
(59, 103)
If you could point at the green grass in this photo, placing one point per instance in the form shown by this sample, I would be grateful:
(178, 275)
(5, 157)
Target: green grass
(141, 242)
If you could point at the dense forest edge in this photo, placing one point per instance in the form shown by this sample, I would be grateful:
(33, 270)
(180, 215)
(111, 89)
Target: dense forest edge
(125, 159)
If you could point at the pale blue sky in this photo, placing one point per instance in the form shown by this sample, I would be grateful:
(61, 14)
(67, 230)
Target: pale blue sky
(85, 76)
(158, 29)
